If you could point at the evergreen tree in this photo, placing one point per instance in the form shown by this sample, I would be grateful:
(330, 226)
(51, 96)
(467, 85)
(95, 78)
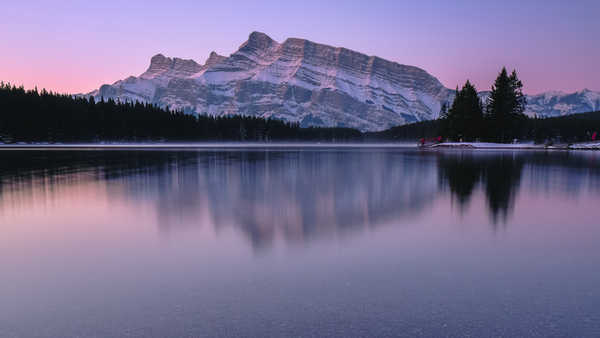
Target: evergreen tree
(32, 116)
(444, 110)
(464, 119)
(505, 107)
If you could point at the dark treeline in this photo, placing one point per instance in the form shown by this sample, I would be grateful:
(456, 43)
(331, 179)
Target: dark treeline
(32, 116)
(499, 119)
(407, 132)
(567, 129)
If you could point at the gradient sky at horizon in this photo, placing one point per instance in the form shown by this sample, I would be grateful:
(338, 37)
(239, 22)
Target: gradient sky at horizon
(75, 46)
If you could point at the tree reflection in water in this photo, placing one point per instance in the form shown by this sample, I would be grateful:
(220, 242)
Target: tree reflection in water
(295, 195)
(499, 174)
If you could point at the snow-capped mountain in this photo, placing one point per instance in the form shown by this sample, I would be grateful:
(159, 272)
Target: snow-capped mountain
(296, 80)
(306, 82)
(559, 103)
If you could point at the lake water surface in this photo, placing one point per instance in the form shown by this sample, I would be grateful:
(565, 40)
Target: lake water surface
(317, 241)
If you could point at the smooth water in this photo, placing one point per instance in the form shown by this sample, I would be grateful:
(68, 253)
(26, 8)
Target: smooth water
(302, 242)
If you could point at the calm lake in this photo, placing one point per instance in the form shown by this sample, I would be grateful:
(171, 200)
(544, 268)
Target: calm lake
(306, 241)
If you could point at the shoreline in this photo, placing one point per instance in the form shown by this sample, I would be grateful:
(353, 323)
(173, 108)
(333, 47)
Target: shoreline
(513, 146)
(192, 146)
(292, 145)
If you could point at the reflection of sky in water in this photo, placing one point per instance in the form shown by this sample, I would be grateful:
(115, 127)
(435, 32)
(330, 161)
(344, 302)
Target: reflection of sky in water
(340, 242)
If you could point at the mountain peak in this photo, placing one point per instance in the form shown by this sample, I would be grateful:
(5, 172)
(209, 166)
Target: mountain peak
(158, 60)
(158, 64)
(158, 57)
(309, 83)
(162, 65)
(213, 59)
(259, 36)
(258, 40)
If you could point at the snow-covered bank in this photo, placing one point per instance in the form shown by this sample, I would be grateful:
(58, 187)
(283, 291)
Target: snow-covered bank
(487, 145)
(531, 145)
(292, 145)
(125, 146)
(586, 146)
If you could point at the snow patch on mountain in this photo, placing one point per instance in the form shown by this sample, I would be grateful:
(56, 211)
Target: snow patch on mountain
(296, 80)
(559, 104)
(313, 84)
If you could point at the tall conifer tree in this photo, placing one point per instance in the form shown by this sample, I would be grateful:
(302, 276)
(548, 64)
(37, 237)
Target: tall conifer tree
(465, 117)
(505, 106)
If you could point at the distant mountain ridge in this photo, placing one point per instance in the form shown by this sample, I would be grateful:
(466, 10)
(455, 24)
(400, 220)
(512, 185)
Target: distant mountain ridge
(309, 83)
(558, 103)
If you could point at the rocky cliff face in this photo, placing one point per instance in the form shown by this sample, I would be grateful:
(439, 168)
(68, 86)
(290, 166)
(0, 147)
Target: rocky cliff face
(297, 81)
(309, 83)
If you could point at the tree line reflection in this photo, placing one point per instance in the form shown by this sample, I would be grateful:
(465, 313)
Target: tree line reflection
(301, 195)
(499, 175)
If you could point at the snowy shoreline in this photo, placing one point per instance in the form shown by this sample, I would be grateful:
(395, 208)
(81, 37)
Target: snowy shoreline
(515, 146)
(225, 145)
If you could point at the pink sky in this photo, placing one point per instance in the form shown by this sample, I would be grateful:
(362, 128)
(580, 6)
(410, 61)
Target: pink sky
(74, 47)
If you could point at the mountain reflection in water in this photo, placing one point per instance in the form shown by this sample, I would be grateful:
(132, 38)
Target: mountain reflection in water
(296, 195)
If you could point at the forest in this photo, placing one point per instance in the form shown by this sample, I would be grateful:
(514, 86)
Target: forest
(561, 129)
(32, 116)
(499, 119)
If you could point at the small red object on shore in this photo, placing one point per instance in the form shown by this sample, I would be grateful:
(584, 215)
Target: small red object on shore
(594, 136)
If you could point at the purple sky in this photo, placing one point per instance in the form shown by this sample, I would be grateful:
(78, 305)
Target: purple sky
(75, 46)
